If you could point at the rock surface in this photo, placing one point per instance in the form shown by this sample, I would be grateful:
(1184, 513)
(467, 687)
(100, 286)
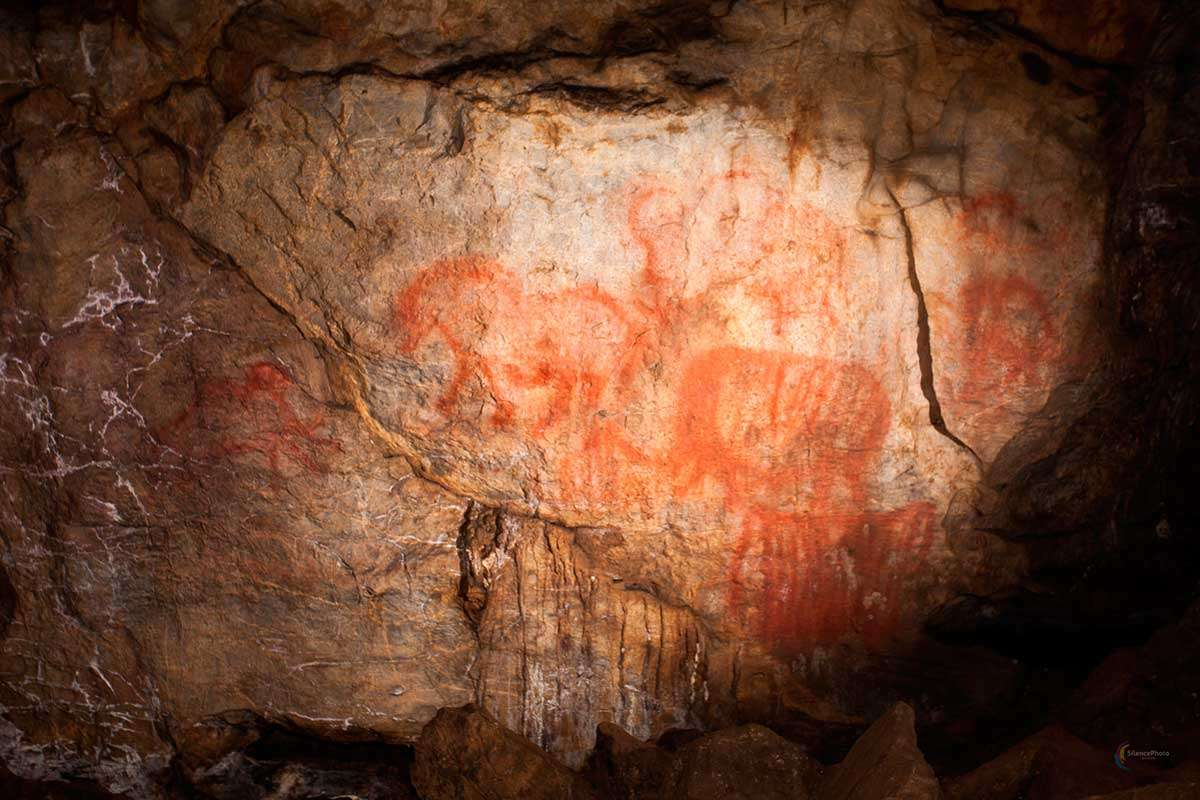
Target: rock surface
(885, 764)
(464, 754)
(669, 365)
(1052, 765)
(1164, 791)
(625, 768)
(749, 761)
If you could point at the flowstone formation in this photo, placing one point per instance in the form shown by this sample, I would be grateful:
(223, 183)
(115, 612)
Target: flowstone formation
(664, 365)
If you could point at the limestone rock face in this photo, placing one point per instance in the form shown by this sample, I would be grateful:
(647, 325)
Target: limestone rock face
(670, 365)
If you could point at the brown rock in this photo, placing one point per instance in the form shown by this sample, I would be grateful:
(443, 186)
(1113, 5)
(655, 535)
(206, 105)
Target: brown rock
(556, 621)
(15, 788)
(282, 764)
(744, 763)
(1160, 791)
(17, 69)
(623, 767)
(464, 754)
(1051, 765)
(1069, 767)
(1101, 30)
(1003, 778)
(884, 764)
(1187, 772)
(1148, 697)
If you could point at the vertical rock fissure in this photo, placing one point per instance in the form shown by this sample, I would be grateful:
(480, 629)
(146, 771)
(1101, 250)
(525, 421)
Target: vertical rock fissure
(924, 347)
(470, 605)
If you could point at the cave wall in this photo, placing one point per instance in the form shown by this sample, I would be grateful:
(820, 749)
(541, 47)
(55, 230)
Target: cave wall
(670, 365)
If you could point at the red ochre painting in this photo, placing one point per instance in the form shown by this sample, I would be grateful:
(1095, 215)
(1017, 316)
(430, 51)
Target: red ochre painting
(647, 395)
(252, 416)
(1001, 329)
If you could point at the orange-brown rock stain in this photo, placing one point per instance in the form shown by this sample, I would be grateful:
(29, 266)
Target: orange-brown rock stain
(998, 224)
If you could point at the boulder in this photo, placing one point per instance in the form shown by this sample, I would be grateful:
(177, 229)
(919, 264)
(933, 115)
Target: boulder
(1148, 696)
(1050, 765)
(624, 767)
(749, 762)
(884, 764)
(464, 754)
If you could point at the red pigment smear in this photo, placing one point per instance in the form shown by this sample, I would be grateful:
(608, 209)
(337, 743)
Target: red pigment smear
(1009, 337)
(989, 219)
(807, 578)
(999, 224)
(259, 402)
(775, 424)
(781, 431)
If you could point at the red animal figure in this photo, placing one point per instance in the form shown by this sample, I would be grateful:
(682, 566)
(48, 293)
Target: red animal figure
(252, 415)
(541, 361)
(773, 427)
(792, 442)
(1009, 334)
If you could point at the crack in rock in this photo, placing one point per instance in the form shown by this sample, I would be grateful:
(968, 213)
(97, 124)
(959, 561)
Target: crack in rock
(924, 347)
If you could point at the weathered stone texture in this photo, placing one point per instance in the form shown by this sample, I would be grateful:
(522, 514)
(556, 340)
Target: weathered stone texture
(749, 761)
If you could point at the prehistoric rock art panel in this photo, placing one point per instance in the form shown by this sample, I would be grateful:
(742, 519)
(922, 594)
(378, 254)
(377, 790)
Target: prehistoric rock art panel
(637, 279)
(695, 336)
(760, 431)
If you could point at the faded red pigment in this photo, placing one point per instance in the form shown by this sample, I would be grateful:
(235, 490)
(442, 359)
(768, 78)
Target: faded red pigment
(1011, 343)
(770, 429)
(1011, 334)
(251, 415)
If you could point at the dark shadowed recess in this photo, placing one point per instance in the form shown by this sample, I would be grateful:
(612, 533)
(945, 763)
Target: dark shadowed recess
(279, 762)
(275, 760)
(16, 788)
(8, 602)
